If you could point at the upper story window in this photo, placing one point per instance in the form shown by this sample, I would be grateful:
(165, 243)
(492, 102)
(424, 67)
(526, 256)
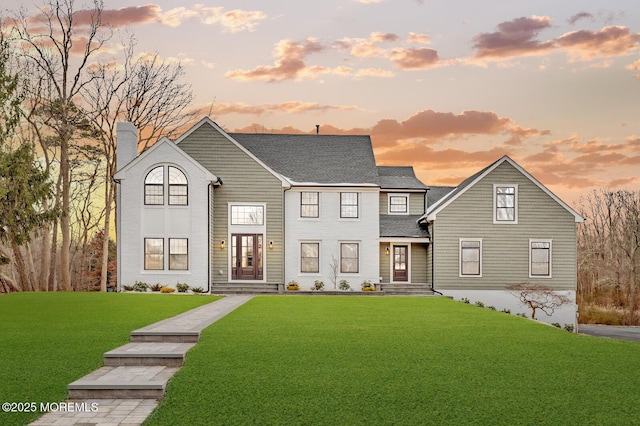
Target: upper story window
(247, 215)
(398, 204)
(309, 204)
(349, 204)
(178, 188)
(505, 202)
(154, 184)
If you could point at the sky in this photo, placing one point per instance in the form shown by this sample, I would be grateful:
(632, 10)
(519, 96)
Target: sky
(445, 86)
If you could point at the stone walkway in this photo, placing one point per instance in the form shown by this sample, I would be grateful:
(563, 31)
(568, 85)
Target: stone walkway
(128, 388)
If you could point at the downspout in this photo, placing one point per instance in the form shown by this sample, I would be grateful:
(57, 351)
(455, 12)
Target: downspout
(210, 260)
(433, 278)
(284, 237)
(211, 188)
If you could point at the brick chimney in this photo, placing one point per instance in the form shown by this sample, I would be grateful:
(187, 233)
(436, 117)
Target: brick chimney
(127, 143)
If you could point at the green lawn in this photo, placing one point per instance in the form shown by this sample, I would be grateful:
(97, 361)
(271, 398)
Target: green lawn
(383, 360)
(48, 340)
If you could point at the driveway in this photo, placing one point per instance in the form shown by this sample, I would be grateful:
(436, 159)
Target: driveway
(611, 331)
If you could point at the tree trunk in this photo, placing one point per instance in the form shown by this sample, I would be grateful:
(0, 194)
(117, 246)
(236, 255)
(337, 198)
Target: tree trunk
(23, 276)
(65, 271)
(105, 240)
(31, 270)
(52, 283)
(45, 258)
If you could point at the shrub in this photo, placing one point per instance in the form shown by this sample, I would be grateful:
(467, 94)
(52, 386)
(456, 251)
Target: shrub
(197, 290)
(479, 304)
(608, 315)
(368, 286)
(293, 285)
(182, 287)
(506, 311)
(465, 300)
(317, 285)
(127, 287)
(166, 289)
(156, 287)
(140, 286)
(344, 285)
(556, 324)
(569, 327)
(493, 308)
(523, 315)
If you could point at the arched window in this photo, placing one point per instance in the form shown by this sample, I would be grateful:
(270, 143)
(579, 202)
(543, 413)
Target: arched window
(154, 186)
(178, 188)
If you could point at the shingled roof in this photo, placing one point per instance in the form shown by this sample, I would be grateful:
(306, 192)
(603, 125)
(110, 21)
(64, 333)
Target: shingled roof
(399, 177)
(323, 159)
(402, 226)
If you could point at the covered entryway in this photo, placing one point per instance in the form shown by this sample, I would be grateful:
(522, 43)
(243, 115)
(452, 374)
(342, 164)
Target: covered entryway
(400, 263)
(246, 256)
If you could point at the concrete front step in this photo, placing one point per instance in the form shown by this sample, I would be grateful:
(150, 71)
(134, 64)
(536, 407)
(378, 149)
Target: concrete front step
(148, 353)
(126, 382)
(182, 336)
(244, 288)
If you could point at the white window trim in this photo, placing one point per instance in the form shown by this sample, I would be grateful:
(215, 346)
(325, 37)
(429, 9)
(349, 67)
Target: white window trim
(460, 274)
(542, 240)
(397, 194)
(247, 229)
(311, 274)
(495, 207)
(349, 274)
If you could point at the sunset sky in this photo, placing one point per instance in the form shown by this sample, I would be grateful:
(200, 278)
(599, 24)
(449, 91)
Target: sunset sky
(445, 86)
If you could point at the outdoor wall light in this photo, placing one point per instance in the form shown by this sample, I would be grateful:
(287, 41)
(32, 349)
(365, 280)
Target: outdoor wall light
(221, 244)
(386, 251)
(270, 244)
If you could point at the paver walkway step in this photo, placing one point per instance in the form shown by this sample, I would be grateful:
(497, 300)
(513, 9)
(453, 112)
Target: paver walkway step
(150, 353)
(139, 371)
(127, 382)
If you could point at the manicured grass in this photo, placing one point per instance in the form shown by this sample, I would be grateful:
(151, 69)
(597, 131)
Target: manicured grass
(48, 340)
(370, 361)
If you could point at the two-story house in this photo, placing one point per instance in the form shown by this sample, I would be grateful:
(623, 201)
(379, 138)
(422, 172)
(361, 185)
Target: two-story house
(249, 212)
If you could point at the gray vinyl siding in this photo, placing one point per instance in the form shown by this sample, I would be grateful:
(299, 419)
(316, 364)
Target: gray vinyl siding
(418, 263)
(244, 180)
(384, 262)
(505, 247)
(416, 202)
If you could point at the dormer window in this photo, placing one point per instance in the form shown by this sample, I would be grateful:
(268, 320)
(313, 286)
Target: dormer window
(154, 187)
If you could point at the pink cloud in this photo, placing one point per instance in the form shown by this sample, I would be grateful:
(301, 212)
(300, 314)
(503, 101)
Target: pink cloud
(514, 38)
(607, 42)
(414, 58)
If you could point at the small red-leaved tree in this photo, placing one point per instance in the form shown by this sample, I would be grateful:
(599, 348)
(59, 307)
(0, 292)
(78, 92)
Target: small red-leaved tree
(538, 297)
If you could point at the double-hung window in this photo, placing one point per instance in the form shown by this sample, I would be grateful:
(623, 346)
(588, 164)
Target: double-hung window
(154, 254)
(349, 205)
(310, 257)
(470, 257)
(349, 258)
(398, 204)
(309, 204)
(505, 204)
(539, 258)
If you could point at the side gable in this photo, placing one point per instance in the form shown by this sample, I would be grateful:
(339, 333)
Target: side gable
(468, 183)
(206, 121)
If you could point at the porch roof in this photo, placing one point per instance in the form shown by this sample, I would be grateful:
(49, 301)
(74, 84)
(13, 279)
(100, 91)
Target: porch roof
(402, 226)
